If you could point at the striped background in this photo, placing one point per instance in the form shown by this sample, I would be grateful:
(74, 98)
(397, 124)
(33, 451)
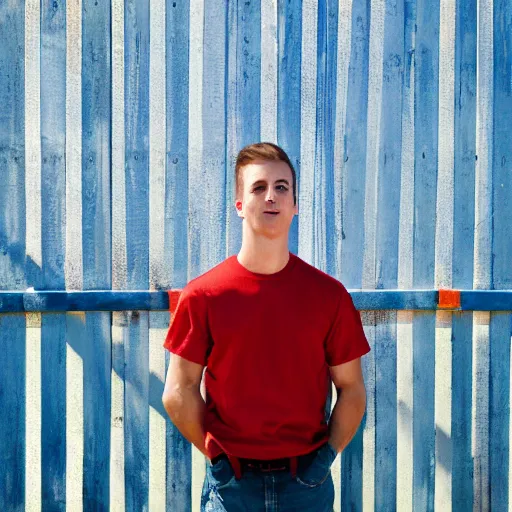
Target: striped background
(119, 125)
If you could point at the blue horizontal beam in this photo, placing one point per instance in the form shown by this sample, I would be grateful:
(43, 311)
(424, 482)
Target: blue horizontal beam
(108, 300)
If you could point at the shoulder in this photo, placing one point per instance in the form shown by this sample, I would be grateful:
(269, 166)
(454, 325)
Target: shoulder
(314, 278)
(205, 283)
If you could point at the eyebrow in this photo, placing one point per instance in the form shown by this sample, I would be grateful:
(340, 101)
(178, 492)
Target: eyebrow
(264, 182)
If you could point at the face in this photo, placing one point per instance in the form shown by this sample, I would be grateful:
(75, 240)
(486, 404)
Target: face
(266, 202)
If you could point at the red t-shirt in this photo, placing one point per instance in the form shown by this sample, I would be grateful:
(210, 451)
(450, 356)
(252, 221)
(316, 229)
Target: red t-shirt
(267, 342)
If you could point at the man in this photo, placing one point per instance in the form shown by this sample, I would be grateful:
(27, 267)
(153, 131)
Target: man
(272, 331)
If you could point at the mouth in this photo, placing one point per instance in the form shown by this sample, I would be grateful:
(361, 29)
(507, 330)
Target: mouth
(271, 212)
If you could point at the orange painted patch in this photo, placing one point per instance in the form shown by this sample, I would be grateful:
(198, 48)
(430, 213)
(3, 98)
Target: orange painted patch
(449, 299)
(174, 296)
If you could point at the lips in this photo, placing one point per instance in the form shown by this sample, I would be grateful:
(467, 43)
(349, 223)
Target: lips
(271, 212)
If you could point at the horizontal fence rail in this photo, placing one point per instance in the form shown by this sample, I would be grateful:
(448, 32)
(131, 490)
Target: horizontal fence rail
(364, 300)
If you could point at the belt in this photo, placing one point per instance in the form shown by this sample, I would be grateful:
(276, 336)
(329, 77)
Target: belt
(264, 466)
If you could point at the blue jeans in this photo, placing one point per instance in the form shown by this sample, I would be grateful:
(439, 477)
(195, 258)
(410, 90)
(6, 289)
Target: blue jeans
(312, 489)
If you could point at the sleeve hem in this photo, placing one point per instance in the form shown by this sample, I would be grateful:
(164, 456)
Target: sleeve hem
(352, 356)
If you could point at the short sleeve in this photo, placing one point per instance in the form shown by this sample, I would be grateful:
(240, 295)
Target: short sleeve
(188, 335)
(346, 339)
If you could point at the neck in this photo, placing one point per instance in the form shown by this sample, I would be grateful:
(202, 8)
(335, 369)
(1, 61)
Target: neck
(264, 256)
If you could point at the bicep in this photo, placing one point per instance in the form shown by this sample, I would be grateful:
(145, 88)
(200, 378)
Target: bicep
(348, 374)
(182, 374)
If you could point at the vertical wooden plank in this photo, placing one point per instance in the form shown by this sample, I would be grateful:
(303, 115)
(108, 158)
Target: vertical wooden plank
(482, 252)
(500, 331)
(53, 189)
(208, 217)
(307, 128)
(117, 496)
(443, 411)
(12, 403)
(386, 252)
(404, 388)
(425, 181)
(33, 470)
(323, 192)
(243, 99)
(354, 151)
(75, 328)
(178, 449)
(159, 277)
(12, 255)
(342, 77)
(463, 249)
(177, 117)
(353, 198)
(289, 34)
(136, 16)
(462, 461)
(444, 233)
(96, 229)
(405, 319)
(501, 323)
(76, 333)
(268, 76)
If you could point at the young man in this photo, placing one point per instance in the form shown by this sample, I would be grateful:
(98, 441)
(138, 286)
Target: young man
(272, 331)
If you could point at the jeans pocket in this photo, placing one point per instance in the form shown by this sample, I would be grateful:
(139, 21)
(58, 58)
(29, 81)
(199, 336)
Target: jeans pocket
(316, 473)
(221, 474)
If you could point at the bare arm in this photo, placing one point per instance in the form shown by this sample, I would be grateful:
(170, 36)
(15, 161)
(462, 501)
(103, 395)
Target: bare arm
(183, 401)
(350, 405)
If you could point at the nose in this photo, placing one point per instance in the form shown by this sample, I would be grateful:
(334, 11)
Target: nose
(270, 196)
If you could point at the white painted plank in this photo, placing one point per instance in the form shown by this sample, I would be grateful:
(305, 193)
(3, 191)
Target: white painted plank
(73, 266)
(404, 385)
(268, 118)
(445, 179)
(443, 411)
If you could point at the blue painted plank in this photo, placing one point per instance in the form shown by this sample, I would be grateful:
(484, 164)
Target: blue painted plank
(176, 183)
(96, 237)
(137, 247)
(501, 271)
(464, 144)
(462, 459)
(500, 331)
(486, 300)
(368, 300)
(12, 146)
(289, 36)
(354, 153)
(386, 264)
(53, 412)
(53, 194)
(463, 241)
(12, 255)
(178, 449)
(243, 109)
(423, 412)
(425, 189)
(12, 405)
(136, 383)
(323, 198)
(385, 410)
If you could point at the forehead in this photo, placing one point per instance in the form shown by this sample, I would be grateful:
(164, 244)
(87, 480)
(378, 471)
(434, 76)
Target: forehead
(266, 171)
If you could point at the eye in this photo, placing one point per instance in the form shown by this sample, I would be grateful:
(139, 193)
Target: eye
(282, 188)
(261, 187)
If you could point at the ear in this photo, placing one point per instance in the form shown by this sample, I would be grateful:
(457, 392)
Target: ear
(296, 209)
(239, 208)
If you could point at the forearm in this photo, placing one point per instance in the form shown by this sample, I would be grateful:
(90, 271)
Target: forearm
(186, 409)
(346, 416)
